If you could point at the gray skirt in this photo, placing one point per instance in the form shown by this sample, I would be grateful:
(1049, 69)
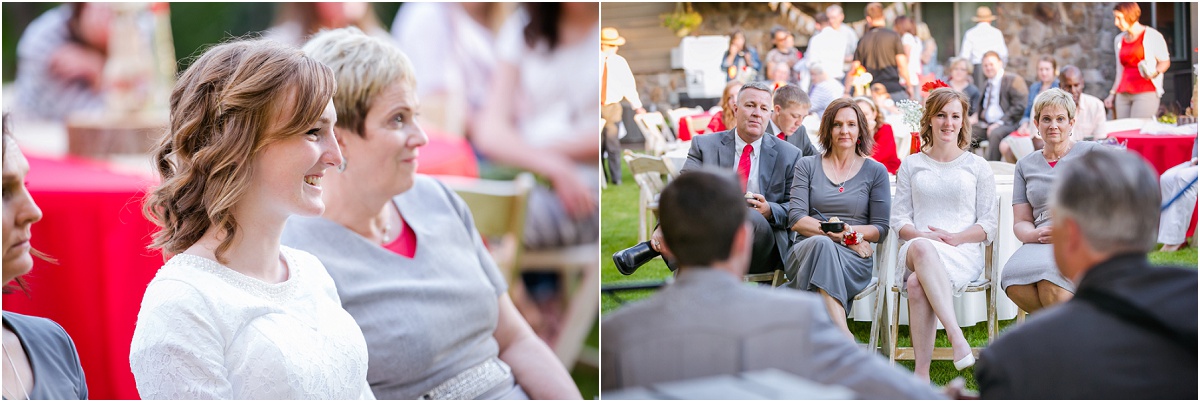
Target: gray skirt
(1032, 263)
(818, 262)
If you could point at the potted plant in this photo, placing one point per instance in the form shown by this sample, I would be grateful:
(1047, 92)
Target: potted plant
(683, 20)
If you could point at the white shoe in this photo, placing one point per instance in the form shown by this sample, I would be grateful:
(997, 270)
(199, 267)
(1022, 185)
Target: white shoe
(965, 362)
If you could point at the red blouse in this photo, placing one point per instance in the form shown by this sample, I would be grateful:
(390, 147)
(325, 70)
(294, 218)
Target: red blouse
(716, 125)
(406, 243)
(1132, 81)
(885, 149)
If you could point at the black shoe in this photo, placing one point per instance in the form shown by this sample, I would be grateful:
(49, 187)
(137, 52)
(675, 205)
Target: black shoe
(628, 260)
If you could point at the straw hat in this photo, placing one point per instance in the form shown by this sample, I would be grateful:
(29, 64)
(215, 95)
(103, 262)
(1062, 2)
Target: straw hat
(983, 14)
(609, 36)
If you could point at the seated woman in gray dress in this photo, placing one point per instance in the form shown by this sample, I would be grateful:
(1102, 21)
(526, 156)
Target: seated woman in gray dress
(40, 361)
(1030, 278)
(843, 183)
(404, 253)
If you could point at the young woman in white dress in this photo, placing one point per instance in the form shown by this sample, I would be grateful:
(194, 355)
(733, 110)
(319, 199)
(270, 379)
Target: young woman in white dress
(945, 210)
(233, 314)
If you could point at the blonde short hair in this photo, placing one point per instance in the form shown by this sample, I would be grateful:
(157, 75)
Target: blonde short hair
(364, 66)
(1055, 97)
(222, 109)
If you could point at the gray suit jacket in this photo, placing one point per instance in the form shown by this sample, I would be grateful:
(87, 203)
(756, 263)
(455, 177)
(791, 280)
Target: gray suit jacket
(775, 162)
(1078, 351)
(708, 323)
(799, 139)
(1013, 95)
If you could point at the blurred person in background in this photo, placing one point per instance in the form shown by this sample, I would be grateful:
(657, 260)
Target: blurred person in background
(825, 88)
(836, 18)
(452, 47)
(617, 85)
(1178, 187)
(981, 39)
(929, 56)
(784, 51)
(882, 134)
(827, 47)
(40, 361)
(1004, 96)
(914, 47)
(723, 120)
(403, 250)
(540, 116)
(958, 76)
(61, 58)
(296, 22)
(1022, 142)
(1142, 58)
(1089, 113)
(740, 62)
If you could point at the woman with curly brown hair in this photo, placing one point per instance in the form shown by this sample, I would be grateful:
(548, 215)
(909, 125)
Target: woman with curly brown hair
(233, 314)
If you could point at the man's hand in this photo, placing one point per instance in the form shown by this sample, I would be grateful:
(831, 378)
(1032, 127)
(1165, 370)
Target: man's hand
(759, 203)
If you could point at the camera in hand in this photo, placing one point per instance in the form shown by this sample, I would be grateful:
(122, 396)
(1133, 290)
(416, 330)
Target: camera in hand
(628, 260)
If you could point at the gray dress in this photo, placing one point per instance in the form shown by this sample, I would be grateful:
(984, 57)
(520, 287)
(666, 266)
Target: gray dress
(817, 262)
(428, 318)
(52, 356)
(1033, 181)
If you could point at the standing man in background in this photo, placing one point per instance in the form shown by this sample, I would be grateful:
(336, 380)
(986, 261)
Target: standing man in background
(980, 39)
(617, 84)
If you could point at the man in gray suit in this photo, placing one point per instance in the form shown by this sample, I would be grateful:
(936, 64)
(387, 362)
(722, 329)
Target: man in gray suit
(791, 106)
(764, 164)
(1130, 330)
(1001, 106)
(708, 323)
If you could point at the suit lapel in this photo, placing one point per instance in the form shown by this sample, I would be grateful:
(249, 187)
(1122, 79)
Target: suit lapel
(766, 160)
(726, 152)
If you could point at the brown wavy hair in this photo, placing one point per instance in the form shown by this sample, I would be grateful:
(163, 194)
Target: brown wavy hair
(866, 142)
(879, 121)
(938, 98)
(222, 109)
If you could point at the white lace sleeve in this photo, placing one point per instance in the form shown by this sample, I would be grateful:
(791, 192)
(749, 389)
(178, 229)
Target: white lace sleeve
(177, 350)
(985, 199)
(902, 204)
(366, 394)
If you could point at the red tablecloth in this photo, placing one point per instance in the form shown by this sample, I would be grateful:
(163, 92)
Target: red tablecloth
(1162, 151)
(447, 156)
(93, 226)
(685, 134)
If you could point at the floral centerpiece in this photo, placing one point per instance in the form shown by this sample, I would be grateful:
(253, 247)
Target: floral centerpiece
(912, 111)
(862, 81)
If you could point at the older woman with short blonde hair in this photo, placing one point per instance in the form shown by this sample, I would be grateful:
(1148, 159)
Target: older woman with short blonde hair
(1031, 278)
(404, 253)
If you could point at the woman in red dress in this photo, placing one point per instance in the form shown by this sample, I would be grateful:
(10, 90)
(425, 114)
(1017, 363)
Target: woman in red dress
(885, 140)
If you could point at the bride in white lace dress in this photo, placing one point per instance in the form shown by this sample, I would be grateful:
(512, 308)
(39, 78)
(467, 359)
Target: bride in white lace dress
(233, 314)
(945, 211)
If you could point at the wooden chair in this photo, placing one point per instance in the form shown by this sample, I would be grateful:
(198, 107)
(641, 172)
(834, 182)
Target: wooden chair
(775, 278)
(651, 125)
(648, 172)
(499, 209)
(674, 115)
(989, 282)
(698, 123)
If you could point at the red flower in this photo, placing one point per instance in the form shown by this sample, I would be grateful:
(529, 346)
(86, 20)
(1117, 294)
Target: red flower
(932, 85)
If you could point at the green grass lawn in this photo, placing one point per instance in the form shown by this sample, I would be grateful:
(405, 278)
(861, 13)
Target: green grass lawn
(618, 214)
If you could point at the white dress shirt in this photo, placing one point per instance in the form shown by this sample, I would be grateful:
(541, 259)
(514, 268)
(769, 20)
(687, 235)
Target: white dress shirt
(828, 47)
(991, 109)
(979, 40)
(851, 40)
(620, 81)
(1088, 116)
(738, 144)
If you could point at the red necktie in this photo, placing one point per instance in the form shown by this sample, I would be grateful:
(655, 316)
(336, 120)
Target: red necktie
(782, 136)
(744, 165)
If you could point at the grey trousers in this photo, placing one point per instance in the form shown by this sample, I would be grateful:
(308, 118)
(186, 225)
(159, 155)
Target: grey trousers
(1143, 105)
(979, 133)
(611, 113)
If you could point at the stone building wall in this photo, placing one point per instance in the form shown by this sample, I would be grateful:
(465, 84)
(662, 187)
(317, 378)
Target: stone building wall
(1080, 34)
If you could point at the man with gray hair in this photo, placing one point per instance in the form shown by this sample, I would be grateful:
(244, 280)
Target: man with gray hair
(1130, 330)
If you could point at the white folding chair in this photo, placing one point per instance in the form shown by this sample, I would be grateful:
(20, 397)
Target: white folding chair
(649, 173)
(651, 125)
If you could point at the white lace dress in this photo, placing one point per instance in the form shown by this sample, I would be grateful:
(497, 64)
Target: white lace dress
(208, 332)
(948, 195)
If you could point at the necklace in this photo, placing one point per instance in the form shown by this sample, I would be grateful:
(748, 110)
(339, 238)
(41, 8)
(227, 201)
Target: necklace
(845, 177)
(1060, 155)
(15, 374)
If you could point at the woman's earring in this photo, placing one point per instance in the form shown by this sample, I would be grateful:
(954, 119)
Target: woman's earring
(342, 168)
